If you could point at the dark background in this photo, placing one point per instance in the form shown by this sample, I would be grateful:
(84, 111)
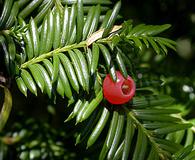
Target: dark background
(178, 67)
(181, 15)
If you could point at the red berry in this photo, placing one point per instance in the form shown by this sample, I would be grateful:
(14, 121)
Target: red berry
(118, 92)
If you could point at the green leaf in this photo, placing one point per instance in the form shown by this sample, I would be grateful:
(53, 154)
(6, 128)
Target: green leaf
(191, 156)
(6, 108)
(57, 29)
(92, 106)
(172, 128)
(46, 78)
(182, 153)
(153, 155)
(166, 42)
(22, 3)
(108, 61)
(60, 87)
(105, 20)
(84, 67)
(56, 63)
(72, 38)
(154, 45)
(50, 32)
(13, 14)
(112, 19)
(80, 20)
(43, 12)
(148, 30)
(11, 47)
(29, 82)
(49, 67)
(65, 82)
(72, 22)
(80, 113)
(5, 12)
(150, 101)
(141, 145)
(110, 135)
(119, 151)
(69, 71)
(168, 145)
(99, 127)
(89, 58)
(75, 111)
(117, 136)
(130, 130)
(37, 76)
(77, 68)
(95, 58)
(43, 37)
(35, 37)
(121, 64)
(21, 85)
(176, 137)
(65, 27)
(160, 118)
(189, 137)
(29, 45)
(137, 30)
(154, 30)
(155, 125)
(146, 41)
(155, 111)
(95, 20)
(29, 8)
(88, 22)
(88, 2)
(89, 126)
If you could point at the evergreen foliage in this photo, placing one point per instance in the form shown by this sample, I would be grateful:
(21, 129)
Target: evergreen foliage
(65, 49)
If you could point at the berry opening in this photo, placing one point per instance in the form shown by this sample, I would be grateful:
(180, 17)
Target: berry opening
(126, 88)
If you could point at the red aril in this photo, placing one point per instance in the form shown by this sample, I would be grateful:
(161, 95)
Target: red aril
(118, 92)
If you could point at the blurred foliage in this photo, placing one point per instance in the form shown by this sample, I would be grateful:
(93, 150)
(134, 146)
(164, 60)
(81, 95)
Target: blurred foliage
(42, 135)
(177, 67)
(30, 138)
